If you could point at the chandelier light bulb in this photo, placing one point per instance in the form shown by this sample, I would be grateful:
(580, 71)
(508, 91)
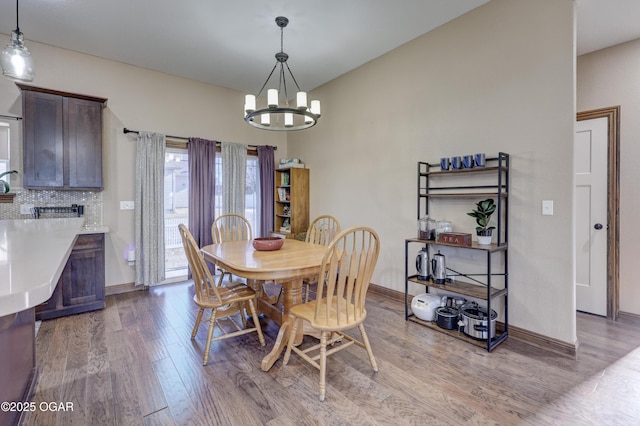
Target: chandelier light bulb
(288, 119)
(249, 103)
(272, 98)
(265, 119)
(315, 107)
(301, 100)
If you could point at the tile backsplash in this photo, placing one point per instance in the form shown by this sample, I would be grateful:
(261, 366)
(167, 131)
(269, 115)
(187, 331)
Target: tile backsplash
(92, 202)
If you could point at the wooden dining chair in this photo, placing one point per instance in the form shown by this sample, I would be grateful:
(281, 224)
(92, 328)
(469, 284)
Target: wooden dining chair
(224, 302)
(230, 227)
(235, 227)
(347, 268)
(321, 231)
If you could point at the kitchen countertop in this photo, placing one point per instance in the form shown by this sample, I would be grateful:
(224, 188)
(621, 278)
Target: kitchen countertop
(33, 253)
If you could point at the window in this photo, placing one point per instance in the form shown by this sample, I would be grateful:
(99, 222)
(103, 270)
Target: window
(176, 204)
(252, 195)
(176, 209)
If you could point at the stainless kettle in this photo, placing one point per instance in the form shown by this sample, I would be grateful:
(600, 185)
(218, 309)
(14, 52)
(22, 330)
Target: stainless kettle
(438, 268)
(422, 264)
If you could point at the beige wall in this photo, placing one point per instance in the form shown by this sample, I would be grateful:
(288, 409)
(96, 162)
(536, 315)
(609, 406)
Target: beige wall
(500, 78)
(607, 78)
(142, 100)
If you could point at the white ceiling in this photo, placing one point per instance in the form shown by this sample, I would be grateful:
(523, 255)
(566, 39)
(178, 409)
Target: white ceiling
(232, 43)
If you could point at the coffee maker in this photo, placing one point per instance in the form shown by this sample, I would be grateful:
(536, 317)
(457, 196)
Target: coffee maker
(438, 268)
(422, 264)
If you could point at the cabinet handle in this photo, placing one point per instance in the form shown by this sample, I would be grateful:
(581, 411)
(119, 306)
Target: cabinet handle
(598, 226)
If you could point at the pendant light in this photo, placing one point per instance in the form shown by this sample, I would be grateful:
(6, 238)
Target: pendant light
(15, 60)
(274, 116)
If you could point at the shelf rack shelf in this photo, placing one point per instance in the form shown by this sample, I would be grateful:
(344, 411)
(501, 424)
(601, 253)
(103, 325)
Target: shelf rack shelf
(500, 333)
(478, 286)
(291, 206)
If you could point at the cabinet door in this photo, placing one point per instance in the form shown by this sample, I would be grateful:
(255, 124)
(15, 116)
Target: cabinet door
(43, 140)
(83, 277)
(83, 132)
(81, 285)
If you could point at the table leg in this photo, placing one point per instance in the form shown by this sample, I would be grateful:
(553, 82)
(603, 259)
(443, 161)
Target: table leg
(292, 296)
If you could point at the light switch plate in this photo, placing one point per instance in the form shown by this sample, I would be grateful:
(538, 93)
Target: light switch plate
(547, 207)
(126, 205)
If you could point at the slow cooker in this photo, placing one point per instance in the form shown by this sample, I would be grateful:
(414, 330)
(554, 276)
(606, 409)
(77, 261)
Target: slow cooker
(447, 317)
(477, 323)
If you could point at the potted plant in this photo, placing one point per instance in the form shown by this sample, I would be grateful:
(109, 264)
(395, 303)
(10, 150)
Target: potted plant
(4, 185)
(482, 214)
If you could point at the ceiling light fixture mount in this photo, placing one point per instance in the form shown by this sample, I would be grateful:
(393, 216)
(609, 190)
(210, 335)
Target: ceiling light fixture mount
(15, 60)
(274, 116)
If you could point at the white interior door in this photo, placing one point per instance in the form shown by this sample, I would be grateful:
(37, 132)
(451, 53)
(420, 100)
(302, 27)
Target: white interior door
(590, 155)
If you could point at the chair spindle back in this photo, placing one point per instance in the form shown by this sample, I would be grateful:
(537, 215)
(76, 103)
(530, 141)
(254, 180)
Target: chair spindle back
(347, 268)
(231, 227)
(202, 278)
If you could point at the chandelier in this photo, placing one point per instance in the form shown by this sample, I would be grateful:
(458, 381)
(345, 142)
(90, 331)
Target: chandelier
(274, 116)
(15, 60)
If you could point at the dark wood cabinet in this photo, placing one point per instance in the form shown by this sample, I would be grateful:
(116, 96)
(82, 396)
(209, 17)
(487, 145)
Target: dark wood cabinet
(17, 363)
(81, 286)
(62, 140)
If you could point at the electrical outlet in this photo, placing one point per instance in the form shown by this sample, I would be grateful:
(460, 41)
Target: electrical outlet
(126, 205)
(547, 207)
(26, 208)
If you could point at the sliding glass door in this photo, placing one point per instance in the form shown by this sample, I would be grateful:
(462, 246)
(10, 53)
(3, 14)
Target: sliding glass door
(176, 210)
(176, 204)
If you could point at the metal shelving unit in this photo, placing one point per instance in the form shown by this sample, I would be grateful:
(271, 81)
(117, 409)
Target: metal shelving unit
(433, 184)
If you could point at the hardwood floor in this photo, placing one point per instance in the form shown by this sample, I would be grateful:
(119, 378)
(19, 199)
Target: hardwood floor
(134, 363)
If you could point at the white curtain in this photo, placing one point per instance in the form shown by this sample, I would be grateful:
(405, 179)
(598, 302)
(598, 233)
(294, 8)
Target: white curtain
(149, 208)
(234, 177)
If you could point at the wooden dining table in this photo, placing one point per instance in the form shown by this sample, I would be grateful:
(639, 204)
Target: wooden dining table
(286, 266)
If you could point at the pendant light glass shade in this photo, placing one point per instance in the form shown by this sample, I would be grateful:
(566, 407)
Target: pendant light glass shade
(15, 60)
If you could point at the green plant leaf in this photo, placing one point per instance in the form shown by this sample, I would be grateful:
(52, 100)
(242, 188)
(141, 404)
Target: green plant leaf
(482, 214)
(5, 185)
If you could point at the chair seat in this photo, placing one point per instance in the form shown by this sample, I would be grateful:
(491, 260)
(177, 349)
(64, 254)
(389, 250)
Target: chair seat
(231, 293)
(345, 320)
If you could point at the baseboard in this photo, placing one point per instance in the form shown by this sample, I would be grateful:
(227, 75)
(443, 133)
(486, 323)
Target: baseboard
(543, 342)
(629, 318)
(387, 292)
(526, 336)
(122, 288)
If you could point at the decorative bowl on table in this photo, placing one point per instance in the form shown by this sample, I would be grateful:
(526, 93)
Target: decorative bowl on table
(268, 243)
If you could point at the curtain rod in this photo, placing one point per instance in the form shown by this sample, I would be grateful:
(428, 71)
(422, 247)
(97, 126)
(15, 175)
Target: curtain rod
(10, 117)
(186, 139)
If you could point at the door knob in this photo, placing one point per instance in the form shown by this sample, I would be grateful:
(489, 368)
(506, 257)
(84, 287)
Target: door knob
(598, 226)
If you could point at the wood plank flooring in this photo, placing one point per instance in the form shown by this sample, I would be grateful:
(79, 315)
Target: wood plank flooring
(133, 363)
